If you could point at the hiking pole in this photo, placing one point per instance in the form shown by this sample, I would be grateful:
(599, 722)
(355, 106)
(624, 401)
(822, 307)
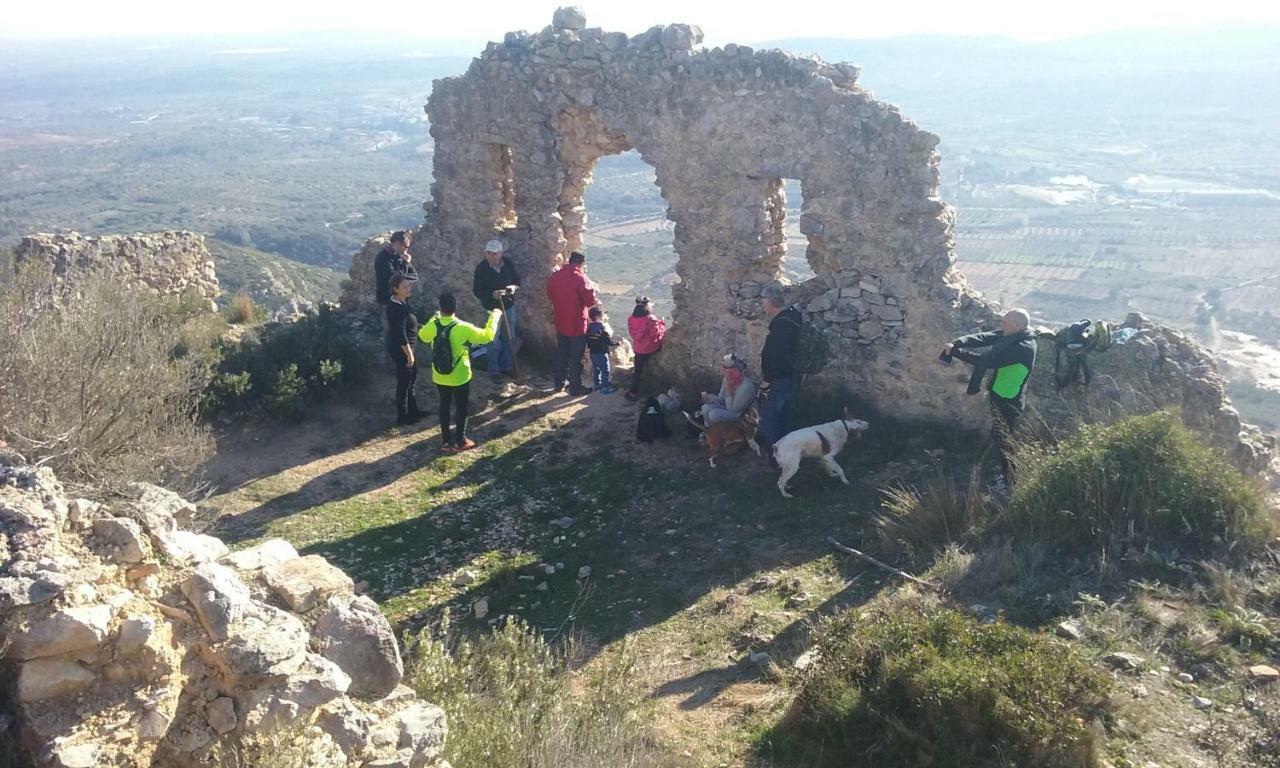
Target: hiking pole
(511, 340)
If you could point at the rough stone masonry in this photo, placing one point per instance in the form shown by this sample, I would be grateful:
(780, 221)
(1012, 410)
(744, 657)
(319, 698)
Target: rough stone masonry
(518, 135)
(168, 263)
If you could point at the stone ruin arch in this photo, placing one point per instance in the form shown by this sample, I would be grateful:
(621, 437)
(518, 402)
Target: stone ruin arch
(517, 138)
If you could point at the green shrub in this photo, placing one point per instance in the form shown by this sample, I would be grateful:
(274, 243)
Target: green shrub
(287, 398)
(1143, 482)
(929, 686)
(508, 698)
(284, 367)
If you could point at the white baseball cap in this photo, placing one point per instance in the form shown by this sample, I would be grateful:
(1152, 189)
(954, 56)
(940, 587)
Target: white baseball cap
(493, 246)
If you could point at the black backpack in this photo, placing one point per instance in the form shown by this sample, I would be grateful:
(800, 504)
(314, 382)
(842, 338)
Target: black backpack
(442, 358)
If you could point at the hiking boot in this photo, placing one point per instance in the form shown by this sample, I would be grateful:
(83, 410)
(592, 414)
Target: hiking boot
(606, 390)
(448, 448)
(579, 391)
(465, 445)
(419, 415)
(405, 419)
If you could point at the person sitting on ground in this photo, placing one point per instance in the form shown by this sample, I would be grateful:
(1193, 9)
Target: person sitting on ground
(451, 366)
(394, 259)
(737, 394)
(599, 342)
(1010, 355)
(571, 293)
(402, 334)
(494, 285)
(647, 332)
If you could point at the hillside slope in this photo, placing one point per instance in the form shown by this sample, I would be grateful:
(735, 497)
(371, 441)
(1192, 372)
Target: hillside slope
(272, 281)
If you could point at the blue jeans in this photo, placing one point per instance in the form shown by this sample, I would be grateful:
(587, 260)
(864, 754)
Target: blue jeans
(600, 369)
(500, 351)
(775, 413)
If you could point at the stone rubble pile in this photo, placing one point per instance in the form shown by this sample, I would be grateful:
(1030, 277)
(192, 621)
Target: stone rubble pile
(170, 263)
(130, 641)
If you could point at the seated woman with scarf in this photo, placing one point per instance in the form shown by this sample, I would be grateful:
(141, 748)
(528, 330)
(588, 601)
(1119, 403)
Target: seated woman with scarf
(737, 393)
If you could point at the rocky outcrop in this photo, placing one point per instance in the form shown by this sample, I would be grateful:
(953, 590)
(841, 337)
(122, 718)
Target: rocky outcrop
(1157, 367)
(129, 641)
(169, 263)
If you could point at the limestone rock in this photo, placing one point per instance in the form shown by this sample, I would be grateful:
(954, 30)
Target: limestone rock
(422, 731)
(569, 17)
(307, 581)
(219, 597)
(346, 724)
(1070, 630)
(317, 682)
(159, 509)
(134, 634)
(125, 536)
(221, 714)
(189, 548)
(1262, 673)
(268, 553)
(42, 679)
(354, 634)
(264, 642)
(70, 630)
(1126, 661)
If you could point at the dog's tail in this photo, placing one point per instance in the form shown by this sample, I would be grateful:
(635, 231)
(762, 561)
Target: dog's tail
(693, 421)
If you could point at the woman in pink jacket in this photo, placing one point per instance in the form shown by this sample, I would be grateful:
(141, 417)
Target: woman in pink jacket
(647, 331)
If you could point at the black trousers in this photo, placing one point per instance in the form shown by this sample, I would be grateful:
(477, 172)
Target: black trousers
(406, 379)
(454, 399)
(566, 363)
(641, 360)
(1005, 416)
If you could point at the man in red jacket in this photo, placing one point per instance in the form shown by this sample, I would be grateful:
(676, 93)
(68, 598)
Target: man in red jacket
(571, 294)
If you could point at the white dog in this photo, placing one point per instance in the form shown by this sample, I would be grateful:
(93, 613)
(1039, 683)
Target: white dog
(822, 441)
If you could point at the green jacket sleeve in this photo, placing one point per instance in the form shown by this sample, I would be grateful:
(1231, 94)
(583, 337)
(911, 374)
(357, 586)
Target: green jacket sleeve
(427, 332)
(477, 336)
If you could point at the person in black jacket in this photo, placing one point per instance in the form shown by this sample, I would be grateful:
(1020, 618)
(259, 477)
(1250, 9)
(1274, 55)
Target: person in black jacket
(402, 335)
(494, 285)
(1009, 357)
(777, 367)
(393, 260)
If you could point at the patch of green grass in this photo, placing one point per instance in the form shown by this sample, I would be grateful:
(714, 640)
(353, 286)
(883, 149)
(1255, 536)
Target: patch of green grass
(910, 683)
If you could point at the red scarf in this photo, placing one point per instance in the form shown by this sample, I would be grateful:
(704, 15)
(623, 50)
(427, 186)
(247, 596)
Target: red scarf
(732, 378)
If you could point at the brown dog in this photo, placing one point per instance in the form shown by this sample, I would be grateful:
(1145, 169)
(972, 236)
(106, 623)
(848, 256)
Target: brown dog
(723, 439)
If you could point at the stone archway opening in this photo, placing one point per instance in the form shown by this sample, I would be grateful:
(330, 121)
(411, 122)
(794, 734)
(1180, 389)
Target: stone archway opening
(628, 237)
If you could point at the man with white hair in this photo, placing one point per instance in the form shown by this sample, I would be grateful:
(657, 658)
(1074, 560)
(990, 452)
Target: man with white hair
(1010, 355)
(494, 285)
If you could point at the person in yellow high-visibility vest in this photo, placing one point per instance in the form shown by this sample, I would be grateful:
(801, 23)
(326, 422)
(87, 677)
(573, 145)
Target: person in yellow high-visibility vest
(451, 366)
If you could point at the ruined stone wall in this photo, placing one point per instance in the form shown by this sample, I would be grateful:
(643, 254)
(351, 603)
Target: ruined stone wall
(518, 136)
(170, 263)
(127, 640)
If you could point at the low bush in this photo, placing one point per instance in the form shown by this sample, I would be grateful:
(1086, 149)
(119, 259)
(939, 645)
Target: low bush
(285, 367)
(512, 701)
(921, 520)
(908, 684)
(242, 311)
(103, 382)
(1143, 482)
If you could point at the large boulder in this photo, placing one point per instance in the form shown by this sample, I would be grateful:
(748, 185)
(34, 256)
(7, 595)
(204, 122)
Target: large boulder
(354, 634)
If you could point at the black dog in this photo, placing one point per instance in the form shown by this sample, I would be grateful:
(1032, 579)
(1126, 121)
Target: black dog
(653, 422)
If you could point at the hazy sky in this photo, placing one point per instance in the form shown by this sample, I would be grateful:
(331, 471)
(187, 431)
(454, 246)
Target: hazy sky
(721, 20)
